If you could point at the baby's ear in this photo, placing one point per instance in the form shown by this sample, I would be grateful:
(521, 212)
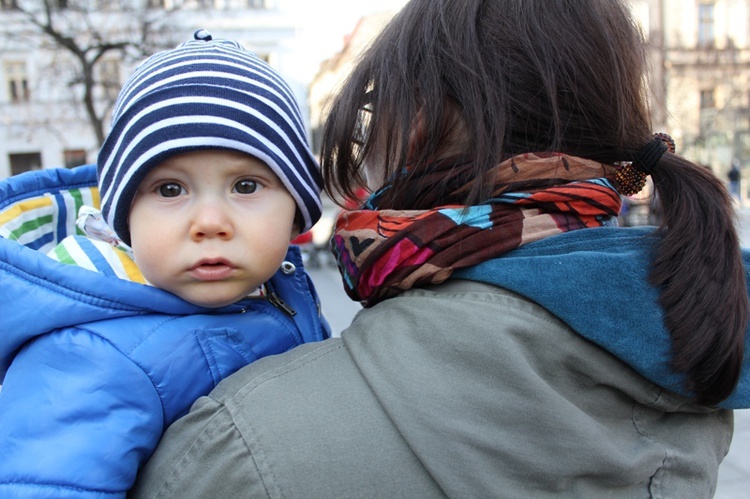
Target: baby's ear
(298, 222)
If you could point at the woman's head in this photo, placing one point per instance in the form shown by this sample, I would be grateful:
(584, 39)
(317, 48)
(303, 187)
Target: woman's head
(481, 80)
(452, 87)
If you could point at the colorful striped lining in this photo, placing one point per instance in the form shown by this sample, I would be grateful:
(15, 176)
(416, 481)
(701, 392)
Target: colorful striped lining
(41, 222)
(98, 256)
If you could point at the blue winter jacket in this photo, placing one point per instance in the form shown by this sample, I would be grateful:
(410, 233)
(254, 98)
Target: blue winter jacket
(94, 368)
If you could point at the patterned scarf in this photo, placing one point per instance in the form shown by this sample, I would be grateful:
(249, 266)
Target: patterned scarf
(381, 253)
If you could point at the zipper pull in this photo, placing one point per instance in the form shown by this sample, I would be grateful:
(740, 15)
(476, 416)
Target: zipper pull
(277, 302)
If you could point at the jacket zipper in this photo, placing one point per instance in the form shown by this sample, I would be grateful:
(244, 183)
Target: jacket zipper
(277, 302)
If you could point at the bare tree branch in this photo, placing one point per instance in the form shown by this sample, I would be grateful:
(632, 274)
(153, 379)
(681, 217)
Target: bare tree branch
(91, 31)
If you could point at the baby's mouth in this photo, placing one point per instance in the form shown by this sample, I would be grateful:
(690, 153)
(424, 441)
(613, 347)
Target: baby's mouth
(212, 270)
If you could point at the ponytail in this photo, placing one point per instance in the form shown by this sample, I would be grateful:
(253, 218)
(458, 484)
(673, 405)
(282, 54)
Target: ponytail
(699, 270)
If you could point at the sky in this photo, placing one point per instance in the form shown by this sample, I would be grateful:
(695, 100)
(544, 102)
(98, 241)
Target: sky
(326, 23)
(338, 17)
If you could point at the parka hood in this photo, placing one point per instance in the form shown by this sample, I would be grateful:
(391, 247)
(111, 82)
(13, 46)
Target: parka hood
(38, 210)
(597, 282)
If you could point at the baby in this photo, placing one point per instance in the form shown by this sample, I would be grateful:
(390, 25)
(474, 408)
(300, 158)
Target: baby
(204, 179)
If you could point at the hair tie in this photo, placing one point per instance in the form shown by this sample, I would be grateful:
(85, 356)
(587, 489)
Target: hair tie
(650, 155)
(631, 177)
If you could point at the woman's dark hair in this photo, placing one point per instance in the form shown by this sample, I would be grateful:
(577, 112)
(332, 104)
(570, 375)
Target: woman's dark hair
(483, 80)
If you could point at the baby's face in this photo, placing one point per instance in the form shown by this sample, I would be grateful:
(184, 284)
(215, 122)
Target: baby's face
(211, 226)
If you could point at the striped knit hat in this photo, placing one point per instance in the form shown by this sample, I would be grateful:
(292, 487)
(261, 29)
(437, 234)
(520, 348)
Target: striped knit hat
(205, 94)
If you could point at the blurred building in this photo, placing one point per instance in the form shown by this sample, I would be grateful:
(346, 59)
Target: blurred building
(43, 123)
(700, 54)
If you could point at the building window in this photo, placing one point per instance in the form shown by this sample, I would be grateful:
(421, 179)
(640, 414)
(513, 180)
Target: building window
(25, 162)
(18, 83)
(706, 25)
(74, 157)
(707, 115)
(708, 99)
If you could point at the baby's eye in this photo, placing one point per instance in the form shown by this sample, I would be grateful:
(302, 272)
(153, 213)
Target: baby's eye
(246, 186)
(170, 190)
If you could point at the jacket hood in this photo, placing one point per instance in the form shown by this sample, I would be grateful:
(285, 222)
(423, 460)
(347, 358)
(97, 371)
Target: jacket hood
(596, 281)
(37, 210)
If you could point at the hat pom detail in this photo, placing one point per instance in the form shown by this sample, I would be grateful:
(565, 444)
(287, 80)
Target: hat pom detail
(202, 34)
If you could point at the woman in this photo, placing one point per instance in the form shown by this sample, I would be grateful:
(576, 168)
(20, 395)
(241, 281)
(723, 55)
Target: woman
(514, 341)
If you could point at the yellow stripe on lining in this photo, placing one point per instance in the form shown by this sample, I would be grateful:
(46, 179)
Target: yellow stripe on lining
(95, 201)
(19, 209)
(131, 269)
